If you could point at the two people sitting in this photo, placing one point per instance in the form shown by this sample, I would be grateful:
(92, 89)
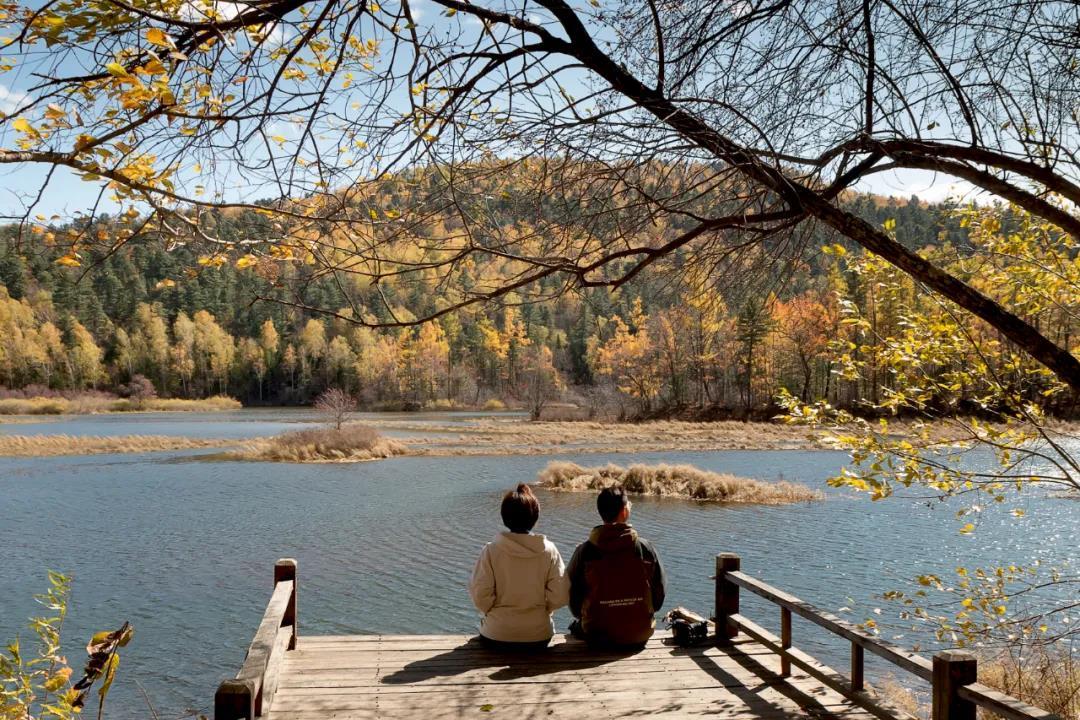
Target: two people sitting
(614, 583)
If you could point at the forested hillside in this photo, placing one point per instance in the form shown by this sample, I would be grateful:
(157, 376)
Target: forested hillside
(196, 325)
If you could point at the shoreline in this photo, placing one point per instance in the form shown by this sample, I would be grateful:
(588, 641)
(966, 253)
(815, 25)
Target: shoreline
(481, 438)
(491, 436)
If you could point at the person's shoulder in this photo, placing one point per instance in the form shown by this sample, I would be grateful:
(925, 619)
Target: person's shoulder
(582, 548)
(647, 546)
(551, 549)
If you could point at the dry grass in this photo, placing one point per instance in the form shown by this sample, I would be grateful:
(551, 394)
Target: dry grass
(1048, 678)
(52, 445)
(351, 443)
(891, 692)
(681, 481)
(97, 403)
(515, 436)
(215, 403)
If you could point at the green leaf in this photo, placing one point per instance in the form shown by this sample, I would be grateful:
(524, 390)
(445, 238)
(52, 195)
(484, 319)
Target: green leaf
(110, 674)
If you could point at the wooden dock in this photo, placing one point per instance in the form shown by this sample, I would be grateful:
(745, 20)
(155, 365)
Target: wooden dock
(743, 672)
(435, 677)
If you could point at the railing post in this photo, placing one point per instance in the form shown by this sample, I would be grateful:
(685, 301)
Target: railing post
(285, 569)
(727, 595)
(235, 700)
(785, 641)
(952, 670)
(858, 672)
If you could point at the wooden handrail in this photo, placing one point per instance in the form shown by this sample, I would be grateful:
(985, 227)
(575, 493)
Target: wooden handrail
(250, 694)
(1001, 704)
(951, 673)
(914, 664)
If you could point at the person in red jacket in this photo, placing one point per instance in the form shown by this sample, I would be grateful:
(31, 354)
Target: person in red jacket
(616, 579)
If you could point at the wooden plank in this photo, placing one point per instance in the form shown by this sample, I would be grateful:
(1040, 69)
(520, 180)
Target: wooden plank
(643, 699)
(661, 681)
(274, 670)
(913, 663)
(377, 676)
(565, 711)
(352, 640)
(488, 659)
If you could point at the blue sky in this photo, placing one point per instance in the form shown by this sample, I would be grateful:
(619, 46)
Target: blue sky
(68, 194)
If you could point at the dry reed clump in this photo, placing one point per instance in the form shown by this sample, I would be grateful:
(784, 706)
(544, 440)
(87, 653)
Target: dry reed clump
(91, 403)
(350, 443)
(52, 445)
(682, 481)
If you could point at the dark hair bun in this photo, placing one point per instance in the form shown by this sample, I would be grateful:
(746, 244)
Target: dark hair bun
(520, 509)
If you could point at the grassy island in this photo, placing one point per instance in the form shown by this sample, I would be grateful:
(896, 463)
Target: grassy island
(678, 481)
(349, 443)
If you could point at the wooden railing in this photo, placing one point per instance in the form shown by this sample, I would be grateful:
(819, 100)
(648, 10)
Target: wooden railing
(955, 691)
(250, 693)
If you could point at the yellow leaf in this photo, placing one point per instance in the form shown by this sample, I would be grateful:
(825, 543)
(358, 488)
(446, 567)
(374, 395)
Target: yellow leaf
(69, 260)
(158, 37)
(246, 261)
(967, 529)
(58, 680)
(23, 125)
(280, 140)
(117, 70)
(162, 284)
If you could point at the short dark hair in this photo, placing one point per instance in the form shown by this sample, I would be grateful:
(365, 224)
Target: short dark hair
(610, 502)
(520, 509)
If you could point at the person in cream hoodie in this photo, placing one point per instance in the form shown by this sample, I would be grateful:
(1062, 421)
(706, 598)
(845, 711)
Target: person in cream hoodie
(519, 579)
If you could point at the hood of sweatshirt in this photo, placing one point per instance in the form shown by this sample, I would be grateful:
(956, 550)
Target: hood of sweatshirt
(520, 544)
(614, 536)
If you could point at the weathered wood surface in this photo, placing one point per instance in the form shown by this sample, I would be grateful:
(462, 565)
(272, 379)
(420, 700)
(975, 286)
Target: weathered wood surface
(432, 677)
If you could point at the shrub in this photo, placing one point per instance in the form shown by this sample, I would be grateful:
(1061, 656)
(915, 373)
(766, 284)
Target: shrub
(336, 404)
(139, 390)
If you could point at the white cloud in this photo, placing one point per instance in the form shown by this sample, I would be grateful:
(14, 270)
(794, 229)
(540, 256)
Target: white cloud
(10, 99)
(929, 186)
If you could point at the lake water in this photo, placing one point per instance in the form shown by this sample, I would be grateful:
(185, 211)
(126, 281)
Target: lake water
(183, 548)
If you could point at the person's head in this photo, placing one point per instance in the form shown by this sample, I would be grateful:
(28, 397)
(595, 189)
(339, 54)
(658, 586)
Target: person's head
(520, 509)
(613, 505)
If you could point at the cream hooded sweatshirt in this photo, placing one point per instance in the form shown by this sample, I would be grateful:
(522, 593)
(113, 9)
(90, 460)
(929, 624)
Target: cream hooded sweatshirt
(517, 583)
